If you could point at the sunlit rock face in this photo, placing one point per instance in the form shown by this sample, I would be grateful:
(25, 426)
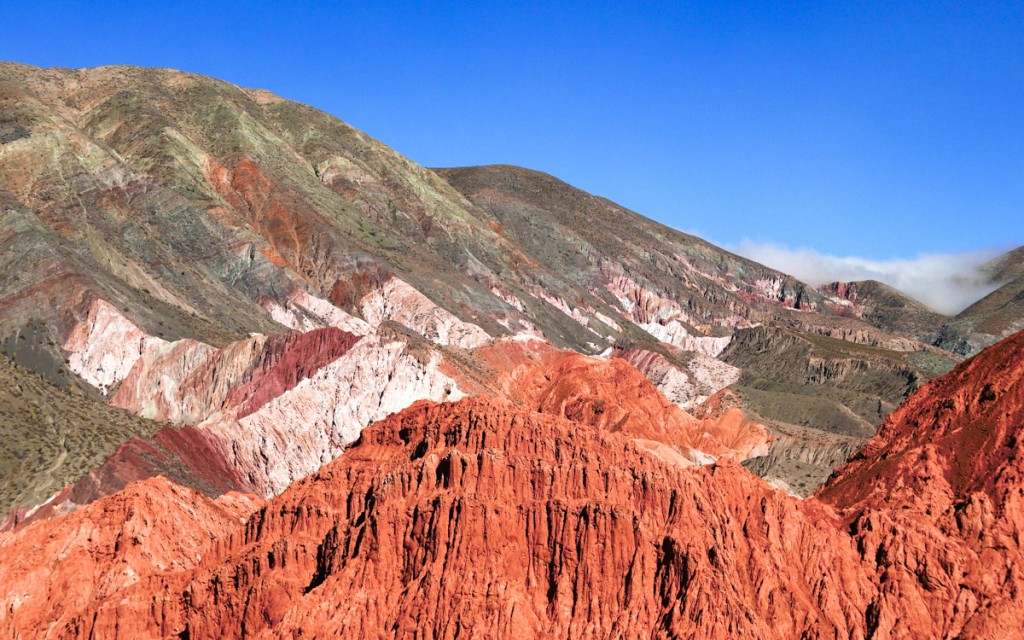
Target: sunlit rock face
(687, 386)
(106, 345)
(277, 410)
(399, 302)
(480, 402)
(586, 532)
(304, 428)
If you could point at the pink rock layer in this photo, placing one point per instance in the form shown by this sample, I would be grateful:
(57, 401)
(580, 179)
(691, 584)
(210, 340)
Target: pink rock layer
(482, 519)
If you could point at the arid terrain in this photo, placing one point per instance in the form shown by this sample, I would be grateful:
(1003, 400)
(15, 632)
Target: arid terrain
(263, 376)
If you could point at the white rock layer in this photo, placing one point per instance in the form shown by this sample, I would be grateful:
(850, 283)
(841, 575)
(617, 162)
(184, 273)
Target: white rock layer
(106, 345)
(398, 301)
(310, 425)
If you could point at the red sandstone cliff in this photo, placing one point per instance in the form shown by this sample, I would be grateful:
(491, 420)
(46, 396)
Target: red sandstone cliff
(480, 519)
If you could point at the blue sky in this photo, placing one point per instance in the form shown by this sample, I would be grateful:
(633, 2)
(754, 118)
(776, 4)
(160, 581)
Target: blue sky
(858, 129)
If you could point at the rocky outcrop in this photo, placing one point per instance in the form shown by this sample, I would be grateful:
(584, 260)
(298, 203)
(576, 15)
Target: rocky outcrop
(935, 502)
(258, 413)
(293, 407)
(305, 312)
(613, 395)
(965, 424)
(663, 318)
(186, 382)
(688, 385)
(58, 568)
(477, 518)
(301, 430)
(399, 302)
(285, 361)
(105, 345)
(589, 536)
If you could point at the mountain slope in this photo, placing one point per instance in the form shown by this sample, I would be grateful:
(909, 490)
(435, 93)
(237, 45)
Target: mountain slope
(163, 231)
(812, 362)
(995, 316)
(52, 436)
(886, 308)
(475, 518)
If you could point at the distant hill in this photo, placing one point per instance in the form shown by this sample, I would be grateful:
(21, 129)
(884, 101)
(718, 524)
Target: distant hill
(995, 316)
(887, 308)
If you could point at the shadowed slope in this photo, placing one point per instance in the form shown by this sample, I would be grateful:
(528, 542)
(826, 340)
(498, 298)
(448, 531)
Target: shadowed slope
(886, 308)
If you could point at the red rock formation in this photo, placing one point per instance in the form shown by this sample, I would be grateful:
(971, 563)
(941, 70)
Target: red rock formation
(725, 423)
(285, 361)
(475, 518)
(481, 519)
(55, 570)
(935, 502)
(965, 424)
(613, 395)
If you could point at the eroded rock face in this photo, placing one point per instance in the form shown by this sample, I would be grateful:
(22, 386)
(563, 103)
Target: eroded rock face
(664, 319)
(688, 387)
(590, 537)
(399, 302)
(304, 312)
(265, 411)
(612, 394)
(105, 346)
(301, 430)
(935, 501)
(55, 569)
(254, 415)
(186, 382)
(295, 404)
(478, 518)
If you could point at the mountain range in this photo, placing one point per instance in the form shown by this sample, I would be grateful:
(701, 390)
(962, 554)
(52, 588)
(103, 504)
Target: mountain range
(258, 367)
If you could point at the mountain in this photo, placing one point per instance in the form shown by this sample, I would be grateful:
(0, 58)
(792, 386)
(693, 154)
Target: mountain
(991, 318)
(886, 308)
(1006, 267)
(263, 281)
(478, 518)
(809, 362)
(263, 376)
(996, 315)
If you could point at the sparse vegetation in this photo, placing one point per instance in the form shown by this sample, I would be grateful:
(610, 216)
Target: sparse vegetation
(52, 436)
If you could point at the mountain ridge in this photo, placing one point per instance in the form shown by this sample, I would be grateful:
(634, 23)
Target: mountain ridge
(340, 394)
(578, 532)
(178, 215)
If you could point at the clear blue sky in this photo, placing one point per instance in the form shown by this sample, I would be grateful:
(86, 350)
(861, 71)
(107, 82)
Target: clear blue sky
(861, 129)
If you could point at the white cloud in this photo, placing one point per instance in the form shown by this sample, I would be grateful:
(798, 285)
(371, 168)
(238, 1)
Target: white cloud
(947, 282)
